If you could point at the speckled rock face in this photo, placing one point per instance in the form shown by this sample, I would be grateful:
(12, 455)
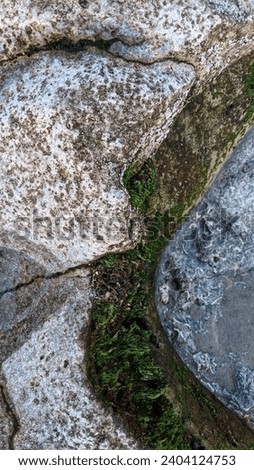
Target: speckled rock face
(205, 33)
(204, 285)
(43, 372)
(70, 124)
(72, 119)
(6, 423)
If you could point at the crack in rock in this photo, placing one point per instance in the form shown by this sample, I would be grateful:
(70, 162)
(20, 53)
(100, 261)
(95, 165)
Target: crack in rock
(209, 33)
(47, 400)
(38, 279)
(66, 45)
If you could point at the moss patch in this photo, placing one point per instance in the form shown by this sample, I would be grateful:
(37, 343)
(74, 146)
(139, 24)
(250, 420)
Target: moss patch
(140, 185)
(249, 90)
(202, 136)
(121, 365)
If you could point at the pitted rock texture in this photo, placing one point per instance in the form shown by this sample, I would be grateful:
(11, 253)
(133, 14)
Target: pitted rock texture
(6, 422)
(208, 34)
(69, 125)
(204, 285)
(45, 376)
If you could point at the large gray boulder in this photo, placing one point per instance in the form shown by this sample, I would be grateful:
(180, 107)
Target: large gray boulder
(44, 376)
(204, 285)
(70, 124)
(65, 142)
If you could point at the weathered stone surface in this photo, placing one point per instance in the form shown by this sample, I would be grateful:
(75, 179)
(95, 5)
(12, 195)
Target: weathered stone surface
(205, 33)
(45, 377)
(6, 423)
(204, 285)
(70, 124)
(200, 139)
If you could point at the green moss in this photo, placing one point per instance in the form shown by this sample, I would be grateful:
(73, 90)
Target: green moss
(177, 210)
(249, 90)
(140, 185)
(109, 261)
(232, 137)
(209, 404)
(202, 136)
(126, 376)
(121, 365)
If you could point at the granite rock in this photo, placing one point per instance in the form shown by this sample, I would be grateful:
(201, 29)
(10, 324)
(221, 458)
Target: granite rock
(45, 376)
(65, 144)
(70, 124)
(208, 34)
(7, 422)
(72, 119)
